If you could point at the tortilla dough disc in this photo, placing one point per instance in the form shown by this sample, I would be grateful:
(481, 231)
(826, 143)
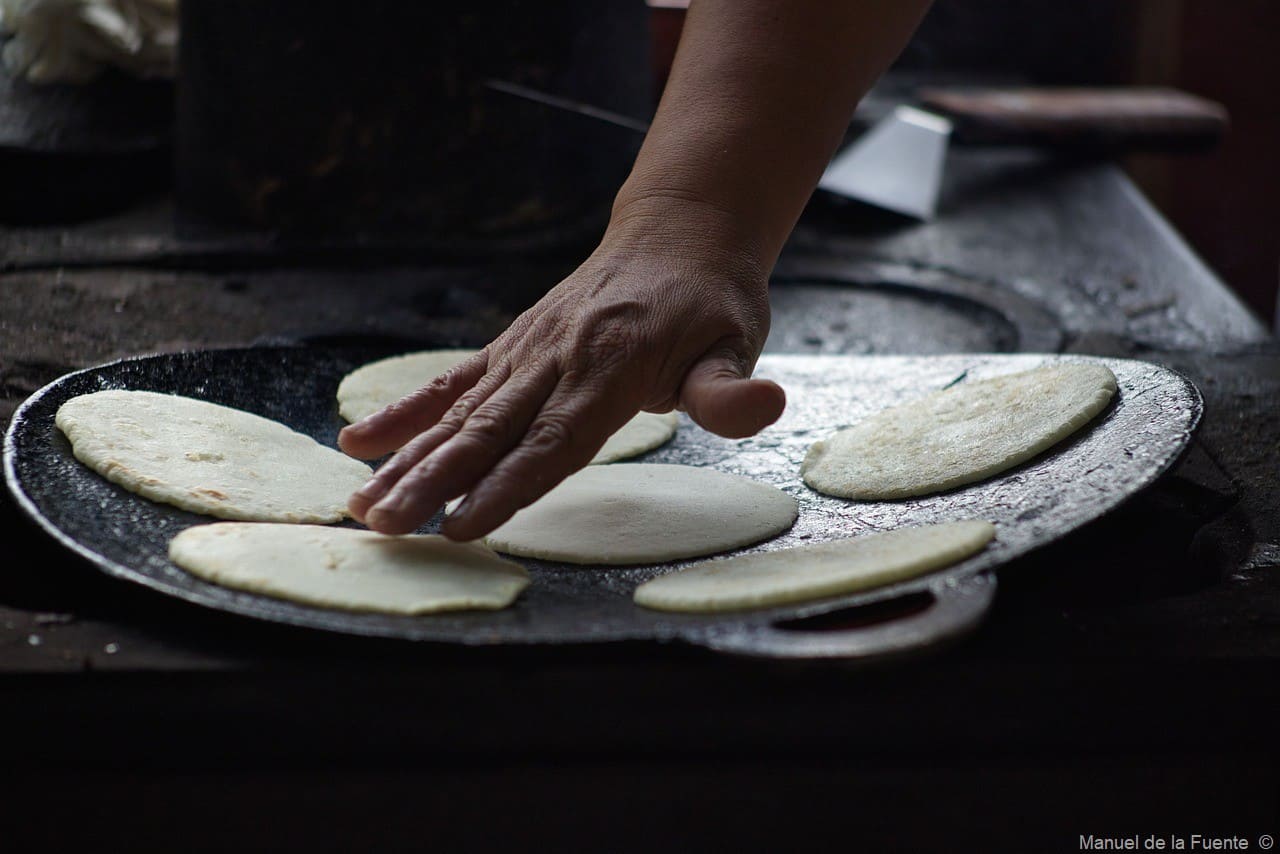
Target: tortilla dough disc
(349, 569)
(804, 573)
(959, 435)
(644, 432)
(208, 458)
(635, 513)
(378, 384)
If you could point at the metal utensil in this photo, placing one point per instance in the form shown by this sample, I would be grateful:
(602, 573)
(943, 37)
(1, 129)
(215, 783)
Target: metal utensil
(898, 164)
(568, 104)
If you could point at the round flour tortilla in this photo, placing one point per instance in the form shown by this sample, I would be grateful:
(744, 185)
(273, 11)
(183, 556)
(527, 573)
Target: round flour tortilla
(376, 385)
(636, 513)
(349, 569)
(209, 458)
(804, 573)
(959, 435)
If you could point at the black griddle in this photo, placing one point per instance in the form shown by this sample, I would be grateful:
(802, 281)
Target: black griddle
(1141, 433)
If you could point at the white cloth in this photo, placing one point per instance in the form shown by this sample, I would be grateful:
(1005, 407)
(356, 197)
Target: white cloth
(73, 41)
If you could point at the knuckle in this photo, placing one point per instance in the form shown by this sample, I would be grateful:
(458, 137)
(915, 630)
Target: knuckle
(465, 406)
(439, 388)
(489, 427)
(550, 433)
(439, 384)
(666, 400)
(418, 398)
(734, 309)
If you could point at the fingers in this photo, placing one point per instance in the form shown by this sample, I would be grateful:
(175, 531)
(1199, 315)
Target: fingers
(413, 452)
(449, 458)
(572, 426)
(391, 427)
(718, 396)
(505, 443)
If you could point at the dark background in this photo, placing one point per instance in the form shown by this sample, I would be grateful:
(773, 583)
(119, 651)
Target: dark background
(1222, 202)
(1219, 49)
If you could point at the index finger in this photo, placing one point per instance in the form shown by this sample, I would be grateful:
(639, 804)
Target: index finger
(391, 427)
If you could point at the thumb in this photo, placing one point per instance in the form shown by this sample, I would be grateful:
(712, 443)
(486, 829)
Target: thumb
(718, 395)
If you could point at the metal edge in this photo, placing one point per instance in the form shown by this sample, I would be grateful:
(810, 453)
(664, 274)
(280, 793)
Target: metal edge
(958, 607)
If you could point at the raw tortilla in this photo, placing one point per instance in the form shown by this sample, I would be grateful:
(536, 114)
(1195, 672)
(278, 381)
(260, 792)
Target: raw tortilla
(644, 432)
(635, 513)
(371, 387)
(349, 569)
(803, 573)
(959, 435)
(208, 458)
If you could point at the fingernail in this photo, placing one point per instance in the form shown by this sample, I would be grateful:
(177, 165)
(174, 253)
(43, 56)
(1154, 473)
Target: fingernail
(460, 510)
(372, 491)
(457, 518)
(384, 509)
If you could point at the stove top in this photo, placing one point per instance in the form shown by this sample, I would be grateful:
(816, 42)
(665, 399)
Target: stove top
(1153, 632)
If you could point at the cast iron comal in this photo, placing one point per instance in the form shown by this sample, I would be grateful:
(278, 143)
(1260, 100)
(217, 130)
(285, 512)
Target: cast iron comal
(1124, 449)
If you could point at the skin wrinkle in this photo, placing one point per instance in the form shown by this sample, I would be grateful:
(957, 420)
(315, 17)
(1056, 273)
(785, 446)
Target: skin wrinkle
(413, 412)
(604, 337)
(521, 476)
(725, 317)
(512, 480)
(474, 397)
(498, 423)
(649, 218)
(653, 240)
(419, 465)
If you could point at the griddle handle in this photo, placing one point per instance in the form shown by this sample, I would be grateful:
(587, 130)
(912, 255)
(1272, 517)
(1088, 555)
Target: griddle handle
(1112, 118)
(958, 606)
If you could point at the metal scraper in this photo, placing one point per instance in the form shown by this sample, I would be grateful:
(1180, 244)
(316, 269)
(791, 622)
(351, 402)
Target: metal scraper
(898, 163)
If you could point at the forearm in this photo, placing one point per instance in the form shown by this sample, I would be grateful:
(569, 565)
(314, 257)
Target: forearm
(672, 310)
(759, 95)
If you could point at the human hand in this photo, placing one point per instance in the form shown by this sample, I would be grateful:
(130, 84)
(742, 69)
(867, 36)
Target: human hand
(668, 312)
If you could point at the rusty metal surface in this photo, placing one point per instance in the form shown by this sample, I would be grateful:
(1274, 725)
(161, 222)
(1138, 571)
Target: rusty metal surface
(1128, 447)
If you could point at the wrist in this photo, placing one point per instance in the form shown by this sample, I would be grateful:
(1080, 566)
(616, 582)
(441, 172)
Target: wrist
(687, 230)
